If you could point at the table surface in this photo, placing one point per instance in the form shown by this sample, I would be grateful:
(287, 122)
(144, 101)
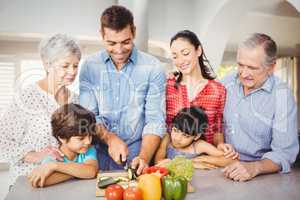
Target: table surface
(208, 185)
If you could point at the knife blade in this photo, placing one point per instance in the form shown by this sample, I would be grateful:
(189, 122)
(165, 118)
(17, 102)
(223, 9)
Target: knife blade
(124, 163)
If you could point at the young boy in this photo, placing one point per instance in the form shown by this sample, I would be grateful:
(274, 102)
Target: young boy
(187, 139)
(73, 127)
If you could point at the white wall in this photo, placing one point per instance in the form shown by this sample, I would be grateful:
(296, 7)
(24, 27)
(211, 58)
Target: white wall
(76, 17)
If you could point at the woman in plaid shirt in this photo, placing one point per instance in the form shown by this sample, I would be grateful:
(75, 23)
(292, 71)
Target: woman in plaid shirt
(194, 85)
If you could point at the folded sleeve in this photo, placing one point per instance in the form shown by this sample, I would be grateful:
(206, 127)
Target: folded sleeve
(284, 145)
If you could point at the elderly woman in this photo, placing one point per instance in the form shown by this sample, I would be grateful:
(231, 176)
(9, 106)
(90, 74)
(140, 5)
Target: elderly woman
(25, 134)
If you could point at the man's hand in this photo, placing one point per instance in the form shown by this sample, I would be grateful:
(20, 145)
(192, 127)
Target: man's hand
(241, 171)
(163, 163)
(139, 164)
(117, 149)
(228, 150)
(39, 175)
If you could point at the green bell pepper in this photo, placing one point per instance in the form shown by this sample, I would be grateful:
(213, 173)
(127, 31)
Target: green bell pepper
(174, 188)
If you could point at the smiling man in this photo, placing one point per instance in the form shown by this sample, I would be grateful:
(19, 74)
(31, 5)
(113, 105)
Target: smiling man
(260, 113)
(125, 88)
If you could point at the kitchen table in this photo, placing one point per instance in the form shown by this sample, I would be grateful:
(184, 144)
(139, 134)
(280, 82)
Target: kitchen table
(208, 185)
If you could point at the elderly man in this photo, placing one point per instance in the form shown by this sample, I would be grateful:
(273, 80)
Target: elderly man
(125, 88)
(260, 114)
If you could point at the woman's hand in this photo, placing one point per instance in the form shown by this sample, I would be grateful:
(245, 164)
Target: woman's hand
(37, 157)
(228, 150)
(39, 175)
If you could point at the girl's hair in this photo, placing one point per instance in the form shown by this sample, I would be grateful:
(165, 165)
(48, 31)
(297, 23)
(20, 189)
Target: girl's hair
(191, 121)
(207, 72)
(72, 120)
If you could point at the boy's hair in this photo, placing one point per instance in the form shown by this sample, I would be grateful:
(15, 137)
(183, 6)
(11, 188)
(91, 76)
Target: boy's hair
(191, 121)
(72, 120)
(117, 18)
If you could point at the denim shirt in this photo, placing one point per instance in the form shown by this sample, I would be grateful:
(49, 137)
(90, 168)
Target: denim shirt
(262, 124)
(129, 102)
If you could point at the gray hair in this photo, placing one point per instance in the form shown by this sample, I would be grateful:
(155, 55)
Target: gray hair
(58, 47)
(268, 44)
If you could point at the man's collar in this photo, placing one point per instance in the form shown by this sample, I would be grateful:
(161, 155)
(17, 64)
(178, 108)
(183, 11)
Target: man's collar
(267, 86)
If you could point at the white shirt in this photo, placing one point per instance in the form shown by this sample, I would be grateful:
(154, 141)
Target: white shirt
(25, 126)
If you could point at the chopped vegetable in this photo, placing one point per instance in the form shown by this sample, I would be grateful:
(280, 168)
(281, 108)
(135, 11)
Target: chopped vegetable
(132, 175)
(106, 181)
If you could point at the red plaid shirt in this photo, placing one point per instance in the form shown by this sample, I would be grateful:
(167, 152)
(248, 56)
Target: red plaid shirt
(211, 98)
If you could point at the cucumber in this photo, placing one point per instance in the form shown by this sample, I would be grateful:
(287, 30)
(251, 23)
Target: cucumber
(103, 183)
(132, 173)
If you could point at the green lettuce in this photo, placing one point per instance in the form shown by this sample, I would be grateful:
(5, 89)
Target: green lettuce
(181, 166)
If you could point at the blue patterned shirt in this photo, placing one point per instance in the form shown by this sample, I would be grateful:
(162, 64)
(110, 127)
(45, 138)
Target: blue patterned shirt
(263, 124)
(129, 102)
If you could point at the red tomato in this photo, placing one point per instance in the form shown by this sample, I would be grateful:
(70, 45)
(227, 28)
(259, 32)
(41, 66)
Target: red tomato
(114, 192)
(146, 170)
(159, 171)
(153, 169)
(132, 193)
(163, 171)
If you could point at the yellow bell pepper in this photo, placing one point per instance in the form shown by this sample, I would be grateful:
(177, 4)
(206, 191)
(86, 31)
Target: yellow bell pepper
(150, 186)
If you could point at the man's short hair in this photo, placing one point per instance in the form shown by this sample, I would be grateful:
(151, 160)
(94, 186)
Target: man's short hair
(268, 44)
(117, 18)
(72, 120)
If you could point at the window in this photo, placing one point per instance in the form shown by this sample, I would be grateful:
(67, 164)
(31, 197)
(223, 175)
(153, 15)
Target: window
(31, 71)
(7, 79)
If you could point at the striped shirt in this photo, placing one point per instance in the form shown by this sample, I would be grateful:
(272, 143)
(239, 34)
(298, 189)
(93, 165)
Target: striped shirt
(263, 124)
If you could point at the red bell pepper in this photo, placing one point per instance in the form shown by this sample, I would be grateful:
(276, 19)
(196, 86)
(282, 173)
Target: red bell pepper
(159, 171)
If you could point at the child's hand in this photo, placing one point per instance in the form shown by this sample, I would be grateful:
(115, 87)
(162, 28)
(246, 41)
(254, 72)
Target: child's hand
(228, 150)
(163, 163)
(39, 175)
(200, 162)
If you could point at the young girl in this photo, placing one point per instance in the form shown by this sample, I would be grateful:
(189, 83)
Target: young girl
(73, 127)
(187, 139)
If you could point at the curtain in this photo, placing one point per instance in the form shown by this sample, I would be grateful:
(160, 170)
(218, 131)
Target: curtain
(286, 70)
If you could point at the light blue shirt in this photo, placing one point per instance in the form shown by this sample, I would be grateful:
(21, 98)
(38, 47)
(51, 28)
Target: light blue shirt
(80, 158)
(263, 124)
(129, 102)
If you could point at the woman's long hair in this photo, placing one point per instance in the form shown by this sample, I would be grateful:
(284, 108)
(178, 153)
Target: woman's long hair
(205, 67)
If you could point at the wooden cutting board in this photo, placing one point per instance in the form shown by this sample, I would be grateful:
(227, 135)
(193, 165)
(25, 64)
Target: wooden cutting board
(113, 174)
